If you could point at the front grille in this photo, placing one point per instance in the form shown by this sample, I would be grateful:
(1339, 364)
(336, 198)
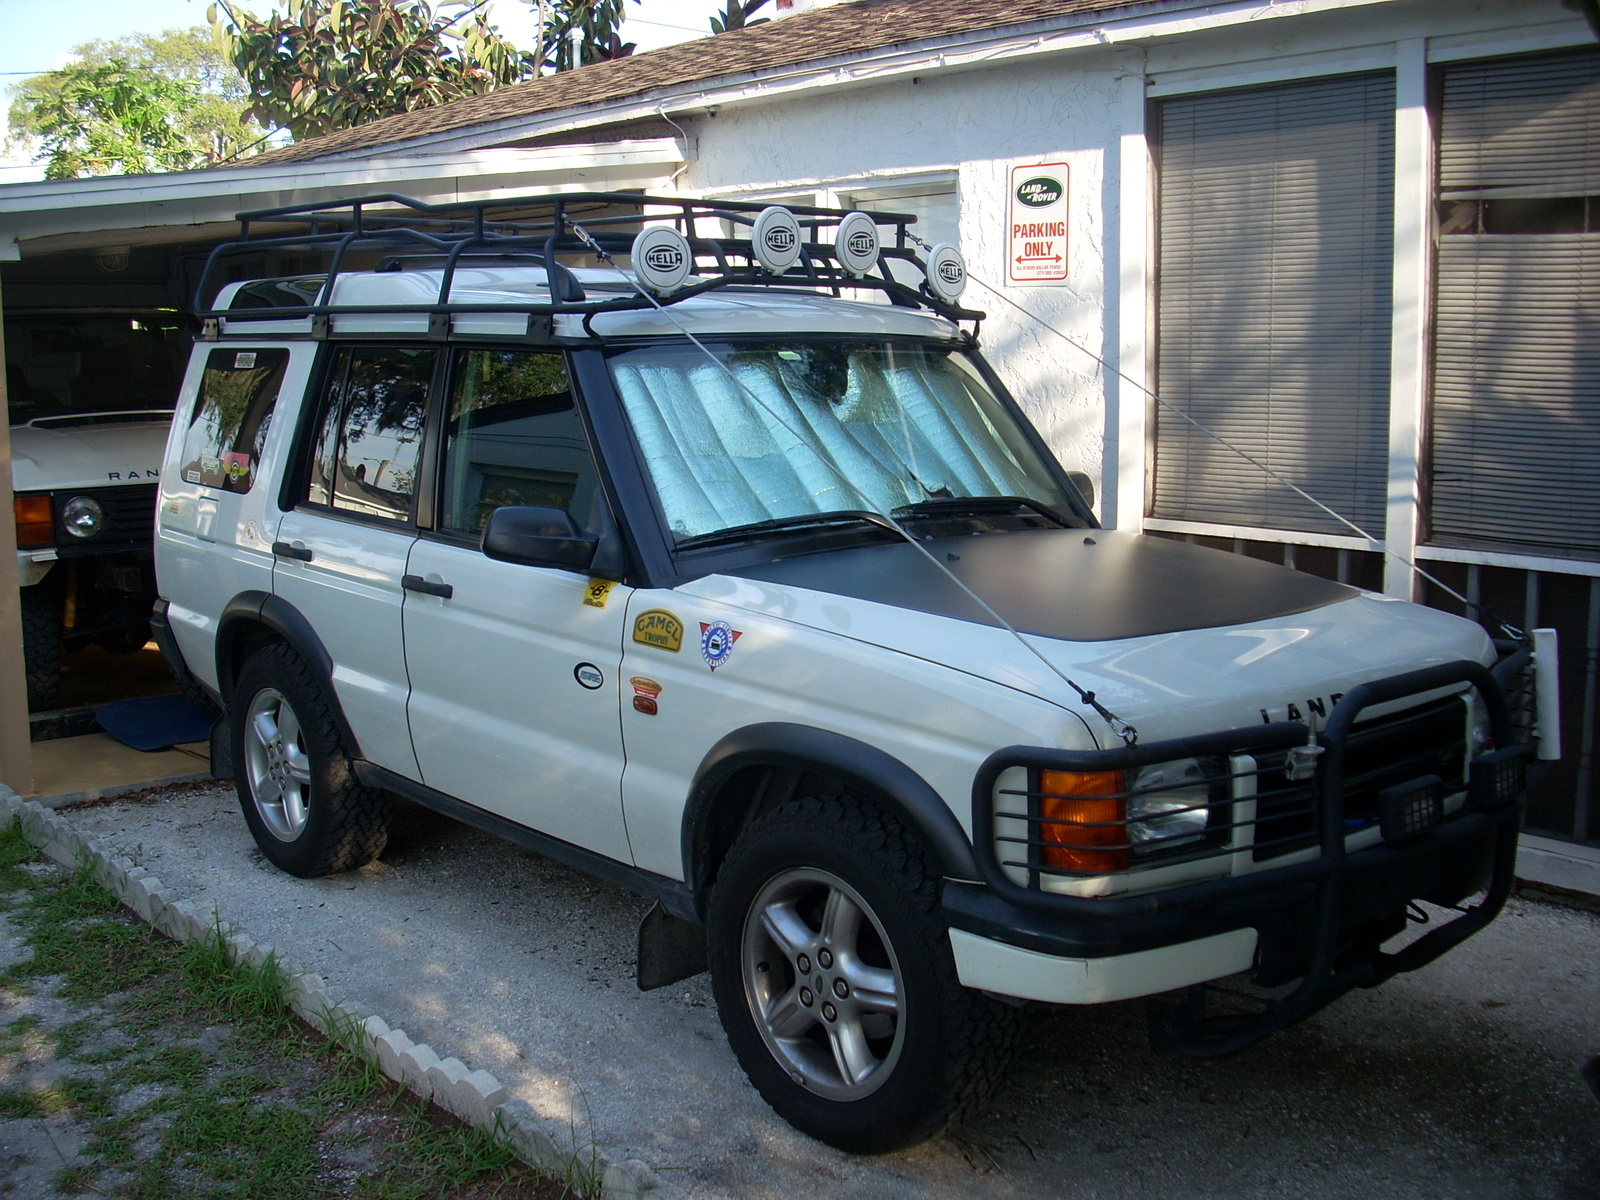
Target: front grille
(1430, 740)
(130, 519)
(1075, 818)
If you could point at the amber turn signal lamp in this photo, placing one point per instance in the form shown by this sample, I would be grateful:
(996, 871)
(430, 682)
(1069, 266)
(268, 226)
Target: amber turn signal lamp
(1084, 826)
(35, 524)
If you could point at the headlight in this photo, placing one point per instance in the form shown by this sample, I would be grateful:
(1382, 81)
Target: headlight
(1481, 736)
(1169, 804)
(83, 517)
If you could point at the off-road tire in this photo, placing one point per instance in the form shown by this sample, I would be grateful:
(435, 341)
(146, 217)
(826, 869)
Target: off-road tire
(41, 646)
(958, 1044)
(346, 824)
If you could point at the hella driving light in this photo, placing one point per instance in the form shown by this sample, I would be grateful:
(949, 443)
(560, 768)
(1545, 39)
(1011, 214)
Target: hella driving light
(856, 243)
(776, 238)
(83, 517)
(662, 260)
(947, 272)
(1168, 804)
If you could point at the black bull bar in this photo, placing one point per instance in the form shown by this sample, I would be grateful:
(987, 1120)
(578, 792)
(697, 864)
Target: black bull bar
(1328, 886)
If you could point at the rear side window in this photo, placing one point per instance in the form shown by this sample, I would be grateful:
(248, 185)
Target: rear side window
(222, 448)
(369, 438)
(513, 438)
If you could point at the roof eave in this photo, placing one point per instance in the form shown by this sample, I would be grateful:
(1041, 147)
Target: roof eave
(945, 53)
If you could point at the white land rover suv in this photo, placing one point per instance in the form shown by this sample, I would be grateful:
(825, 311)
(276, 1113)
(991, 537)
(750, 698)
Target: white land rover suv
(90, 397)
(768, 604)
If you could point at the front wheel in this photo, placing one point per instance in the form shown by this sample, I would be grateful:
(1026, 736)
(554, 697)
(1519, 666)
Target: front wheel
(41, 645)
(304, 806)
(836, 984)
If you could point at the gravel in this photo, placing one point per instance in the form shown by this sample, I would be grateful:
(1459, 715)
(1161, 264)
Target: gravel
(1458, 1082)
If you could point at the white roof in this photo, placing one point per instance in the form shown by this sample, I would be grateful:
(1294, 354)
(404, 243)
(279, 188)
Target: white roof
(771, 310)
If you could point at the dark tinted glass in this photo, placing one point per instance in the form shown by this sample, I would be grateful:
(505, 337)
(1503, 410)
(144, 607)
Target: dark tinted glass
(72, 367)
(371, 433)
(231, 417)
(513, 438)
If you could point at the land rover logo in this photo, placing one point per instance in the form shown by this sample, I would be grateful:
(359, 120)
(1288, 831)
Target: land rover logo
(1039, 192)
(664, 258)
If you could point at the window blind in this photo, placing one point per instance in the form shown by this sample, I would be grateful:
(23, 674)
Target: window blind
(1515, 418)
(1273, 311)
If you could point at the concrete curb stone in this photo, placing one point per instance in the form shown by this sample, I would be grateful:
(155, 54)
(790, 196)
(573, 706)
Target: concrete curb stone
(474, 1096)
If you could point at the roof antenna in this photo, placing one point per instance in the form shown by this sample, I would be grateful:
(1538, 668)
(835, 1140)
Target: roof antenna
(1513, 632)
(1123, 729)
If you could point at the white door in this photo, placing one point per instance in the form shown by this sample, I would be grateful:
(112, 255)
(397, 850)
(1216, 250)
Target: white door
(217, 517)
(514, 695)
(341, 553)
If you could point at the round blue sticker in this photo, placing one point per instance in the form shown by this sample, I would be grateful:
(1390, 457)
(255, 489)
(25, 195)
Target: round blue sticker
(716, 642)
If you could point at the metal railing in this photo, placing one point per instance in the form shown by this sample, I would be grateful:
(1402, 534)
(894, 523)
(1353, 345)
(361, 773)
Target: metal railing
(497, 230)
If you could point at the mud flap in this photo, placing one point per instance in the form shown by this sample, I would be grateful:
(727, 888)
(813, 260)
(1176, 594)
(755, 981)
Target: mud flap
(670, 949)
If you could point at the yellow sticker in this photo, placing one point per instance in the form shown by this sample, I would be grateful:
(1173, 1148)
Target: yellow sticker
(660, 629)
(595, 594)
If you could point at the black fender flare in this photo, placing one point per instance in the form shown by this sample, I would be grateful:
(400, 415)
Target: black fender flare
(856, 764)
(257, 608)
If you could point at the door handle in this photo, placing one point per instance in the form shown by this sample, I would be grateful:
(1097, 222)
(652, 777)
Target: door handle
(285, 550)
(416, 583)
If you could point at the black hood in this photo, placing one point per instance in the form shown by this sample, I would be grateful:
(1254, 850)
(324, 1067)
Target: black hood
(1076, 585)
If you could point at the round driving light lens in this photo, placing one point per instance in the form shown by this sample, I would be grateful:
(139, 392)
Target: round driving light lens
(83, 517)
(856, 243)
(947, 272)
(662, 259)
(776, 238)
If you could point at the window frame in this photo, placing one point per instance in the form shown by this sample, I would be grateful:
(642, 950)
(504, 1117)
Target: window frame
(293, 496)
(1285, 528)
(435, 463)
(1449, 543)
(194, 412)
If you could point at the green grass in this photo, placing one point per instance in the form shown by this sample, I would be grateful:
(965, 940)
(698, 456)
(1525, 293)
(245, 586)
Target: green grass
(189, 1074)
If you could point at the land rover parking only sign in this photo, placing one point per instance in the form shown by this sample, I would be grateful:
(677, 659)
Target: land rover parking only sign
(1037, 245)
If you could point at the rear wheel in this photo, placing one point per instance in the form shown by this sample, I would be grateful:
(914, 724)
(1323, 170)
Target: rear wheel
(836, 984)
(307, 811)
(41, 645)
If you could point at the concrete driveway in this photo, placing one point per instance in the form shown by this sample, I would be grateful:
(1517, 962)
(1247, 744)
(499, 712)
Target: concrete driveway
(1458, 1082)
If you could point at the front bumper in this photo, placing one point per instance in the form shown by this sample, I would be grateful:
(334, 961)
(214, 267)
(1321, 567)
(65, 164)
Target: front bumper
(1321, 920)
(34, 565)
(1006, 970)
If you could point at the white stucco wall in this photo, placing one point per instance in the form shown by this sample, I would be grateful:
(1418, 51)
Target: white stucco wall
(1087, 107)
(969, 127)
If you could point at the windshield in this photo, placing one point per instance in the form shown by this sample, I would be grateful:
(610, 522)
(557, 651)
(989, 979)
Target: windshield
(76, 366)
(904, 423)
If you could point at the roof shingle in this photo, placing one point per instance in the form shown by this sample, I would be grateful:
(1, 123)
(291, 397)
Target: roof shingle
(806, 37)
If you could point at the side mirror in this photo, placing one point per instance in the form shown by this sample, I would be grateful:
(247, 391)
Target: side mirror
(538, 536)
(1085, 486)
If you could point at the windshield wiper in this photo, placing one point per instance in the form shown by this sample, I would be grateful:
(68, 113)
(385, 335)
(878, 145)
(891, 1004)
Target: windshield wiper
(739, 533)
(941, 506)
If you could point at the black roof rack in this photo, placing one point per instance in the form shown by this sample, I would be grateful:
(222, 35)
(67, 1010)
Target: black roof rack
(502, 229)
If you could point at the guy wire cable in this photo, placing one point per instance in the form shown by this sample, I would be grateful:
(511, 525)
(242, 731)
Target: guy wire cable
(1120, 727)
(1516, 634)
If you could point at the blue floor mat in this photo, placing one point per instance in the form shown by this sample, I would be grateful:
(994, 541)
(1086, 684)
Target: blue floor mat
(155, 723)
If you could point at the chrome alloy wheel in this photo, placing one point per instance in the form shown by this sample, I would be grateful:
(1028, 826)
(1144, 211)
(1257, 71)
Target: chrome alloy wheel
(823, 984)
(276, 765)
